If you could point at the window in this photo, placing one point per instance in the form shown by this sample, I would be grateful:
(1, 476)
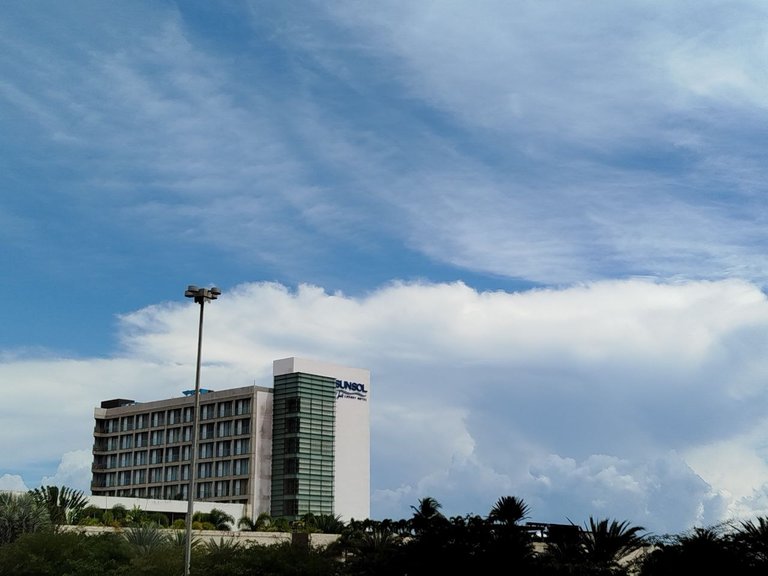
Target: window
(222, 488)
(222, 468)
(174, 436)
(171, 473)
(242, 446)
(240, 467)
(243, 426)
(155, 475)
(206, 431)
(225, 409)
(291, 507)
(174, 416)
(158, 418)
(243, 406)
(141, 421)
(156, 456)
(124, 461)
(142, 438)
(239, 487)
(187, 434)
(157, 437)
(293, 405)
(139, 476)
(126, 423)
(225, 429)
(185, 472)
(188, 412)
(291, 445)
(204, 470)
(291, 486)
(140, 458)
(223, 448)
(126, 441)
(172, 492)
(172, 454)
(205, 489)
(292, 424)
(206, 450)
(207, 411)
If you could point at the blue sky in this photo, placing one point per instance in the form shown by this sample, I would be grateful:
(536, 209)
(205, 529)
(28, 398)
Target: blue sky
(541, 226)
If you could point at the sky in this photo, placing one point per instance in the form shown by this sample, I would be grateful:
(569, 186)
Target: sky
(541, 225)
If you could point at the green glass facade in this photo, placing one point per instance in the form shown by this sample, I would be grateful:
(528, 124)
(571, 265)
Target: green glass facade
(303, 423)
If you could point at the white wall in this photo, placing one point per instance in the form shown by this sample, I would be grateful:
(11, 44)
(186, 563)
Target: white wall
(237, 511)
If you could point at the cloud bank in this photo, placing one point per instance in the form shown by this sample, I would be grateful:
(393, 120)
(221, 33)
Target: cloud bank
(613, 398)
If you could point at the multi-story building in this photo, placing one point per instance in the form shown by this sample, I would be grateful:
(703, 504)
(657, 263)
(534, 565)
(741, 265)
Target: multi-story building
(301, 446)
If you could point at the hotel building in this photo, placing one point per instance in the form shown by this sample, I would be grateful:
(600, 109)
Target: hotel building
(301, 446)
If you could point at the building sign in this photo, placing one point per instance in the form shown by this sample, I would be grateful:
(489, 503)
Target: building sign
(353, 390)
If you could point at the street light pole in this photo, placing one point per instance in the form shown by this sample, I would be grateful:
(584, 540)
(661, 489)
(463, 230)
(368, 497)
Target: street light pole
(201, 296)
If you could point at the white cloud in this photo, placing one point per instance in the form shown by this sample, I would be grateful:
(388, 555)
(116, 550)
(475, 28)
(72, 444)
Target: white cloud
(578, 400)
(12, 482)
(73, 471)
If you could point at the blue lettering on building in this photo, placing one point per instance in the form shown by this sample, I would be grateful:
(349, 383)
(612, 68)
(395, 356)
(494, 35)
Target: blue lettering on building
(347, 389)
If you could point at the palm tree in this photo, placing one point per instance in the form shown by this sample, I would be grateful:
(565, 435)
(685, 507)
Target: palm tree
(370, 547)
(222, 546)
(509, 510)
(263, 523)
(91, 516)
(146, 538)
(606, 543)
(216, 519)
(698, 551)
(64, 504)
(329, 523)
(509, 542)
(19, 514)
(426, 514)
(752, 538)
(116, 516)
(220, 519)
(136, 516)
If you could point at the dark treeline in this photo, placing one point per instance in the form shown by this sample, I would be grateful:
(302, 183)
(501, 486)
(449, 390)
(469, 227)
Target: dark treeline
(33, 542)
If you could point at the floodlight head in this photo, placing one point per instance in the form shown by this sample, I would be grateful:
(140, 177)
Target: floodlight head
(215, 291)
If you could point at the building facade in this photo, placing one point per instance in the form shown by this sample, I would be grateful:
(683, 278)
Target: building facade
(301, 446)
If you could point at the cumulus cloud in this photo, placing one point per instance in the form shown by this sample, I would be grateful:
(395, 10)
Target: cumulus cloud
(604, 399)
(13, 483)
(74, 471)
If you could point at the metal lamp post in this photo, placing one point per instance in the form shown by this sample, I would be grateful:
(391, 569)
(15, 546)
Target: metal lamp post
(201, 296)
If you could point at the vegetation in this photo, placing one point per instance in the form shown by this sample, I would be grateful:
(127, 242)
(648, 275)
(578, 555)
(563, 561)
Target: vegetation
(427, 543)
(64, 504)
(20, 514)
